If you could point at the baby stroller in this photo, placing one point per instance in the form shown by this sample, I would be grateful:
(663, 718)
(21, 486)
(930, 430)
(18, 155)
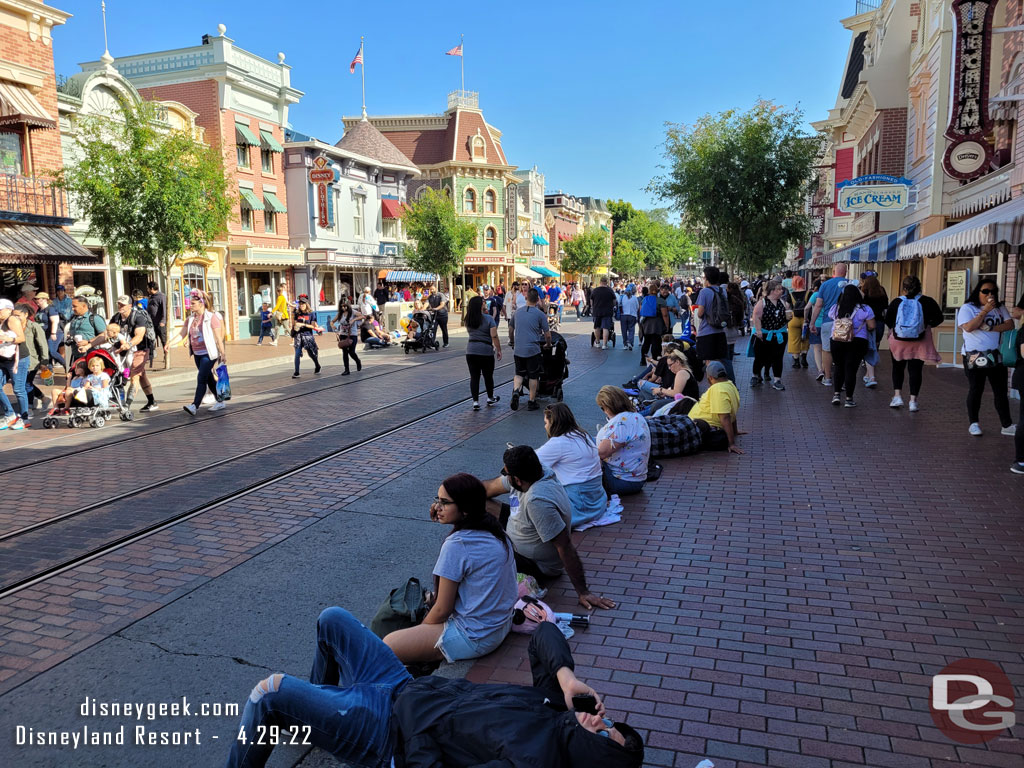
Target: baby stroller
(553, 317)
(77, 413)
(556, 367)
(427, 333)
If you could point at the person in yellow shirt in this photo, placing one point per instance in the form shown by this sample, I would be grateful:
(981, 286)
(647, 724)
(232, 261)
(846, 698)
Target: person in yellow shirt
(718, 408)
(280, 313)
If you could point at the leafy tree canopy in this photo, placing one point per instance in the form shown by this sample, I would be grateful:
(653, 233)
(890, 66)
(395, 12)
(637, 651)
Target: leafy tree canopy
(585, 252)
(439, 239)
(645, 240)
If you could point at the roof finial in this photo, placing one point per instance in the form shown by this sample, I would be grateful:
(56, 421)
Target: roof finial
(106, 58)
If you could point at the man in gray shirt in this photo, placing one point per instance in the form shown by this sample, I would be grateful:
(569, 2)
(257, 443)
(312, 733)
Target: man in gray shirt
(528, 330)
(538, 519)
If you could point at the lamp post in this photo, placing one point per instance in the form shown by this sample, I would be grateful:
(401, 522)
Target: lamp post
(561, 253)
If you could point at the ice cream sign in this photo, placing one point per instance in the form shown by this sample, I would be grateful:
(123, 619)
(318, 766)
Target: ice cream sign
(873, 193)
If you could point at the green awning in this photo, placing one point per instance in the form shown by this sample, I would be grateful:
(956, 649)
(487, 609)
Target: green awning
(545, 271)
(244, 136)
(269, 142)
(538, 240)
(249, 199)
(273, 204)
(605, 228)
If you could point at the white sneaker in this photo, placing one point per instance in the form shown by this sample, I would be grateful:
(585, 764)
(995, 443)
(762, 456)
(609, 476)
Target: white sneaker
(897, 402)
(189, 409)
(218, 406)
(975, 429)
(914, 407)
(1010, 431)
(209, 399)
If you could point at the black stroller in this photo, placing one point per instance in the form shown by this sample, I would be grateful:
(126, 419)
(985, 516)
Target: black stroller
(426, 337)
(556, 367)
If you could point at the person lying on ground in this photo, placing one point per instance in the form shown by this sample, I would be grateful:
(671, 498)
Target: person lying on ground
(474, 582)
(624, 443)
(538, 520)
(716, 411)
(673, 432)
(362, 706)
(684, 383)
(572, 454)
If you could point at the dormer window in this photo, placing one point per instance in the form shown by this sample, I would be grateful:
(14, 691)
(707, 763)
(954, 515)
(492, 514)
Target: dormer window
(478, 148)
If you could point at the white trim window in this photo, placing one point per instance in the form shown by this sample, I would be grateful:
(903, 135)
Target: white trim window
(358, 216)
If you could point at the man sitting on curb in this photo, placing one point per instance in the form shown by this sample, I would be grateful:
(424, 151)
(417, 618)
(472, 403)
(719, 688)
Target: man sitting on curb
(361, 705)
(715, 412)
(538, 520)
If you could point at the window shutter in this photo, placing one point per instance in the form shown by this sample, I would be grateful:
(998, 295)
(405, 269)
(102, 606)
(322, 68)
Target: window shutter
(330, 199)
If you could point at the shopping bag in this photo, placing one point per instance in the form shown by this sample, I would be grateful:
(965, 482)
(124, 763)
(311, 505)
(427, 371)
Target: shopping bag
(223, 383)
(750, 346)
(1008, 348)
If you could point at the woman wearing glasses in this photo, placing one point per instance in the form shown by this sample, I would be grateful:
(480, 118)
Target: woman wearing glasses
(982, 318)
(474, 581)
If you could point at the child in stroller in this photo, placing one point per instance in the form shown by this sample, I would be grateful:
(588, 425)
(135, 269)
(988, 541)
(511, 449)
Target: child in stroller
(422, 330)
(556, 367)
(96, 390)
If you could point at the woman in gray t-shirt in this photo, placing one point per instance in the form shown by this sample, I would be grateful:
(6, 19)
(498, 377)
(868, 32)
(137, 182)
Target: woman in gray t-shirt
(481, 350)
(474, 577)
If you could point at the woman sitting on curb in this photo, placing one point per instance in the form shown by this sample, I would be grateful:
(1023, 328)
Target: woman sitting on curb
(572, 454)
(624, 443)
(474, 577)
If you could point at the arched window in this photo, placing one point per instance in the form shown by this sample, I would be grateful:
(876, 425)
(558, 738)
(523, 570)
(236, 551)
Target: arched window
(193, 276)
(479, 148)
(490, 204)
(470, 200)
(490, 239)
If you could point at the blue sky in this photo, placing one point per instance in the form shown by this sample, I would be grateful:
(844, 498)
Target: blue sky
(581, 89)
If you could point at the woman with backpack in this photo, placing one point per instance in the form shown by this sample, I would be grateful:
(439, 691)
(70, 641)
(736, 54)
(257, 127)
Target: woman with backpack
(982, 318)
(910, 319)
(853, 321)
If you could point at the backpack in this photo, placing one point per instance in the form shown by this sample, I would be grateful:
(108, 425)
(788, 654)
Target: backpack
(649, 306)
(842, 329)
(719, 316)
(146, 321)
(909, 319)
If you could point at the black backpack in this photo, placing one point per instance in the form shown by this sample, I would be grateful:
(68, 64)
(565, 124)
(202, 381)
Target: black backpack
(147, 320)
(720, 317)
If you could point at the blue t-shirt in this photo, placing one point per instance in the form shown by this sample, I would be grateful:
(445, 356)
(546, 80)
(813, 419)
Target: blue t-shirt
(485, 570)
(673, 306)
(829, 295)
(266, 317)
(705, 299)
(554, 292)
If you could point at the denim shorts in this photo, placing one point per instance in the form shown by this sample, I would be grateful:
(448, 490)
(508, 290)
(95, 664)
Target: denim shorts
(826, 336)
(455, 645)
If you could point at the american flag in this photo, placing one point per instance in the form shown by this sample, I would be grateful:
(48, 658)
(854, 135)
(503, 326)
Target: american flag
(357, 60)
(456, 51)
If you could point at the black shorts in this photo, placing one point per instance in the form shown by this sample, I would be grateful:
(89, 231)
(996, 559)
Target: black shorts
(529, 367)
(604, 322)
(714, 346)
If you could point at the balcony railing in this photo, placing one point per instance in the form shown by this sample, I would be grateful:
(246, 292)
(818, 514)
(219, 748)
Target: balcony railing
(863, 6)
(24, 198)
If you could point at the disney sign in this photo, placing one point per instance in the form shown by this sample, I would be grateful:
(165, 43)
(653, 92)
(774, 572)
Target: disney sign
(865, 194)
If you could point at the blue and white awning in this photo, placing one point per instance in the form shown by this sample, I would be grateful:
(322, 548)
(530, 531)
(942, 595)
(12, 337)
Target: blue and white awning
(883, 248)
(408, 276)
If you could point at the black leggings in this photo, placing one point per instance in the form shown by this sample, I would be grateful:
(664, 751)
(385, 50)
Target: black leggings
(480, 364)
(768, 354)
(847, 356)
(916, 371)
(651, 343)
(442, 325)
(349, 353)
(976, 378)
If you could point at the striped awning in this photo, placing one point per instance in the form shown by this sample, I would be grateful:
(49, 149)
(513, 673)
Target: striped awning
(408, 276)
(1002, 224)
(244, 136)
(267, 141)
(28, 244)
(249, 199)
(19, 106)
(882, 248)
(538, 240)
(273, 203)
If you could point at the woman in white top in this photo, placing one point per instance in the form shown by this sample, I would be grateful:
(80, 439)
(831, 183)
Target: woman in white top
(572, 455)
(204, 334)
(982, 318)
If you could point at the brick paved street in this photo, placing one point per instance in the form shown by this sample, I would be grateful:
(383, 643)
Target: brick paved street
(784, 608)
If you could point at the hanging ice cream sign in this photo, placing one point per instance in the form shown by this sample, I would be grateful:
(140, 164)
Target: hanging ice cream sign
(873, 193)
(969, 153)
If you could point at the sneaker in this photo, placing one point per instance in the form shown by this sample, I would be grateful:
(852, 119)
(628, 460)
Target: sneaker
(532, 405)
(849, 403)
(897, 402)
(796, 362)
(5, 424)
(629, 385)
(870, 383)
(827, 382)
(259, 343)
(1017, 467)
(493, 400)
(295, 375)
(914, 407)
(149, 407)
(836, 399)
(317, 369)
(17, 423)
(476, 405)
(218, 406)
(777, 384)
(975, 429)
(804, 363)
(755, 381)
(189, 409)
(514, 402)
(1009, 431)
(344, 373)
(820, 377)
(209, 399)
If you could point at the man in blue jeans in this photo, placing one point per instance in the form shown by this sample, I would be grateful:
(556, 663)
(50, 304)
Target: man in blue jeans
(362, 706)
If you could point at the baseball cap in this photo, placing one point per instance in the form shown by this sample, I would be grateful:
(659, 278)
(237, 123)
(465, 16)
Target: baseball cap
(124, 300)
(60, 288)
(744, 284)
(42, 295)
(6, 304)
(715, 369)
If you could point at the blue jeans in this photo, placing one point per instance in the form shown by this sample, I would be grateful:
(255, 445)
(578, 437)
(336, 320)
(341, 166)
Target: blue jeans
(266, 330)
(6, 375)
(612, 484)
(53, 344)
(628, 323)
(205, 379)
(19, 383)
(347, 701)
(648, 387)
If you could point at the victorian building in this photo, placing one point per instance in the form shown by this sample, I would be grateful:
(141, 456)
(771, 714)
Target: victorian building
(345, 211)
(597, 216)
(241, 102)
(460, 153)
(34, 246)
(533, 242)
(564, 217)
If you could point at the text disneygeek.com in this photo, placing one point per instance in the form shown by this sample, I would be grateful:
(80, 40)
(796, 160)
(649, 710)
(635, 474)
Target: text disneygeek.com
(137, 734)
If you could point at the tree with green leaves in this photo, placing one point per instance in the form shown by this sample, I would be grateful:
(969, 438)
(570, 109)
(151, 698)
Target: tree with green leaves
(149, 194)
(646, 240)
(741, 178)
(585, 252)
(439, 239)
(621, 211)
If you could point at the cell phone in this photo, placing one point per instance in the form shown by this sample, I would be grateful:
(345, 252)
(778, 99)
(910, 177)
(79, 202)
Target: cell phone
(585, 702)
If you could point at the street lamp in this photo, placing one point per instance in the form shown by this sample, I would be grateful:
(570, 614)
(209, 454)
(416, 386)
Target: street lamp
(561, 253)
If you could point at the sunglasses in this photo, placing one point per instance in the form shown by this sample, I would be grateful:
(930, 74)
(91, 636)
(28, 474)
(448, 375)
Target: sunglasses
(988, 291)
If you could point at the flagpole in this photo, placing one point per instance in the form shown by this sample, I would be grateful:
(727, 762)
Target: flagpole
(462, 60)
(362, 70)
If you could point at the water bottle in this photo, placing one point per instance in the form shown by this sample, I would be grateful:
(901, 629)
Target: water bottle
(46, 375)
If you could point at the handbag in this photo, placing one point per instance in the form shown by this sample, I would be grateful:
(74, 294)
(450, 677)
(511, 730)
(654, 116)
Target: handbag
(223, 383)
(871, 358)
(750, 346)
(988, 359)
(344, 342)
(1008, 348)
(404, 607)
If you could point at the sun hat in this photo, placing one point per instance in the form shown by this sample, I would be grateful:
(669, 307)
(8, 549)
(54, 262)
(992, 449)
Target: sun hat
(43, 295)
(124, 301)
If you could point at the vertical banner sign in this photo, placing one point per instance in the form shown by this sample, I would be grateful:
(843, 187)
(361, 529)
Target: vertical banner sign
(511, 212)
(320, 176)
(969, 153)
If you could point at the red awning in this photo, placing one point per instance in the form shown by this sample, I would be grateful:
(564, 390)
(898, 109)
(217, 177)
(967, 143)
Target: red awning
(392, 209)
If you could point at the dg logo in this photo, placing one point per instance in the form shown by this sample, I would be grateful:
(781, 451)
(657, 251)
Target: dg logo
(972, 701)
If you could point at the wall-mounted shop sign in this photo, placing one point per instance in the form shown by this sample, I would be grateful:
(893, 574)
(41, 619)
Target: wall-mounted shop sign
(511, 207)
(969, 153)
(873, 193)
(320, 176)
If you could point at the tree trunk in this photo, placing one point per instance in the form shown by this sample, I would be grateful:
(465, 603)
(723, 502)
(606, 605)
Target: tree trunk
(168, 315)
